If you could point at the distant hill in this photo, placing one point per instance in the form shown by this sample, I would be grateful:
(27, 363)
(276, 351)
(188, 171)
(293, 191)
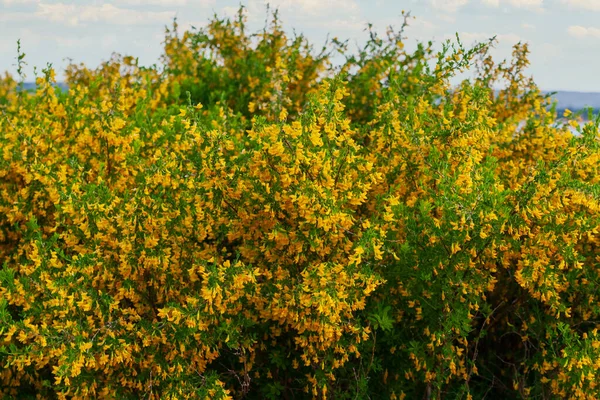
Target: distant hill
(574, 101)
(31, 85)
(577, 100)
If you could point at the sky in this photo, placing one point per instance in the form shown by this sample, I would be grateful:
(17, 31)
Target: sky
(563, 35)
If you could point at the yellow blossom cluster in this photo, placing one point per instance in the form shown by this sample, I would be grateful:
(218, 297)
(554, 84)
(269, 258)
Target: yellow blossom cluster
(250, 221)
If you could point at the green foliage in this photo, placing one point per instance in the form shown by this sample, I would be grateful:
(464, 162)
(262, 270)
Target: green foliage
(251, 222)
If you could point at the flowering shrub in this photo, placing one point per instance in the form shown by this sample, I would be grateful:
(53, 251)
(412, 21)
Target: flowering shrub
(252, 222)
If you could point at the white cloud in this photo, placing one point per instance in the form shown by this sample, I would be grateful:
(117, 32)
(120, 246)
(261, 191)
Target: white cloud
(312, 7)
(530, 4)
(536, 5)
(71, 42)
(354, 25)
(29, 39)
(528, 26)
(229, 11)
(448, 18)
(593, 5)
(18, 2)
(8, 46)
(423, 24)
(344, 15)
(579, 31)
(448, 5)
(161, 3)
(164, 3)
(17, 16)
(548, 50)
(106, 13)
(509, 38)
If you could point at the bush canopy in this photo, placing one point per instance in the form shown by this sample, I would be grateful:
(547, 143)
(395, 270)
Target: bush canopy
(248, 220)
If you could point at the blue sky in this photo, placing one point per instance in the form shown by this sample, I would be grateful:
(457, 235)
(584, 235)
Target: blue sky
(564, 35)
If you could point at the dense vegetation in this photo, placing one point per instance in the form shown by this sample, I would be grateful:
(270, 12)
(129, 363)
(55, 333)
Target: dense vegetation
(248, 221)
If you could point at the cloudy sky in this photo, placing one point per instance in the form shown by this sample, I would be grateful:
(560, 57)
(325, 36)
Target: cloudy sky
(564, 35)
